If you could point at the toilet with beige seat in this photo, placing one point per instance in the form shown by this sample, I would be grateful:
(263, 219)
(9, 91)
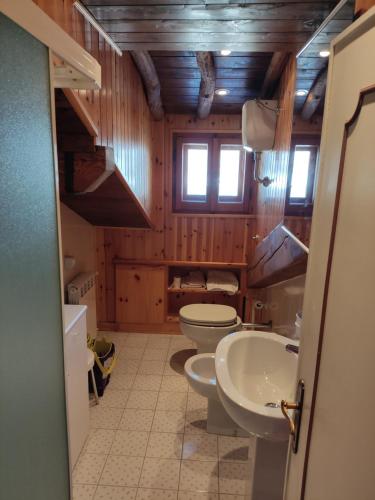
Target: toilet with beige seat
(207, 324)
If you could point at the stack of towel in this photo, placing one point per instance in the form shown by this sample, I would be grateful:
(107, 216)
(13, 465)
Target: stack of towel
(194, 279)
(222, 280)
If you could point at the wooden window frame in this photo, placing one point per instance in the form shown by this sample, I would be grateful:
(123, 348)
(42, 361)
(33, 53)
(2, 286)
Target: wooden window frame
(303, 206)
(212, 204)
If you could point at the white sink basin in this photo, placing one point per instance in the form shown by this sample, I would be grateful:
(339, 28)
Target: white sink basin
(253, 369)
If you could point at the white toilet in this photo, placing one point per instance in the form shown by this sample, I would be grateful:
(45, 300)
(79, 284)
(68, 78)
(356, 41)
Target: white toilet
(207, 324)
(201, 375)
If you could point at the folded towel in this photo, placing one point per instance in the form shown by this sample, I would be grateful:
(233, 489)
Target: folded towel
(225, 281)
(194, 279)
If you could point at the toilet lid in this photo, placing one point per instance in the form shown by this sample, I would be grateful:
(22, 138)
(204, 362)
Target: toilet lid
(208, 314)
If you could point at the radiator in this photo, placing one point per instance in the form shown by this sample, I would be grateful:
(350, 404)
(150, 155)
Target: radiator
(82, 291)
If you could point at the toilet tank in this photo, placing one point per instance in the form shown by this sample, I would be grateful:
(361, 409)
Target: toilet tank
(259, 119)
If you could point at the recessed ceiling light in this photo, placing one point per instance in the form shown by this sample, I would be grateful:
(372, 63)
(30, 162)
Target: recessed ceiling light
(221, 91)
(324, 53)
(301, 92)
(225, 52)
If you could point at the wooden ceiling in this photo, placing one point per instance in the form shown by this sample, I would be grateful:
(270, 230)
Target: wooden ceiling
(241, 73)
(173, 30)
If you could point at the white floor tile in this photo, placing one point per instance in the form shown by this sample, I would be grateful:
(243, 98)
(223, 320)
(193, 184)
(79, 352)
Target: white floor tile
(147, 367)
(115, 493)
(99, 441)
(88, 468)
(199, 476)
(83, 491)
(233, 478)
(181, 342)
(143, 400)
(147, 382)
(232, 497)
(114, 398)
(121, 471)
(196, 421)
(197, 495)
(131, 352)
(127, 366)
(196, 402)
(121, 381)
(164, 445)
(168, 421)
(200, 447)
(136, 420)
(151, 354)
(148, 494)
(139, 341)
(233, 449)
(158, 342)
(160, 473)
(170, 370)
(102, 417)
(131, 443)
(172, 401)
(174, 384)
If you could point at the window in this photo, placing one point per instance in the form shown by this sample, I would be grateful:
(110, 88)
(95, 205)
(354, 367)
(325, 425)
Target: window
(211, 174)
(301, 177)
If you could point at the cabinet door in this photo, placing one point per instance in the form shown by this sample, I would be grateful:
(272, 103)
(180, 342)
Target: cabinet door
(140, 292)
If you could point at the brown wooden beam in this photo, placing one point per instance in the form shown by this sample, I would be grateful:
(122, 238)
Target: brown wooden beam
(151, 82)
(315, 95)
(273, 74)
(206, 65)
(277, 258)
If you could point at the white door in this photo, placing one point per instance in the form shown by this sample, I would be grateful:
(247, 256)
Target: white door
(336, 456)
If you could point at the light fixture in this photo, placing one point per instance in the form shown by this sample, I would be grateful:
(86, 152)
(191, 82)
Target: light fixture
(324, 53)
(222, 92)
(225, 52)
(91, 19)
(301, 92)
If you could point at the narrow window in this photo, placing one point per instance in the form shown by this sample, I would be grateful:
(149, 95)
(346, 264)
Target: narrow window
(301, 177)
(211, 174)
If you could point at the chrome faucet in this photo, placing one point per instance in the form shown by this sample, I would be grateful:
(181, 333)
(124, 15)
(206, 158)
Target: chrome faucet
(248, 326)
(292, 348)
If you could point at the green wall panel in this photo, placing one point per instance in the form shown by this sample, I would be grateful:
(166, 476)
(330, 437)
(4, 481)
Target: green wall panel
(33, 435)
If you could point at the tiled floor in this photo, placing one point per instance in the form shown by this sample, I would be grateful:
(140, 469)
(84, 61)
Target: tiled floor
(148, 439)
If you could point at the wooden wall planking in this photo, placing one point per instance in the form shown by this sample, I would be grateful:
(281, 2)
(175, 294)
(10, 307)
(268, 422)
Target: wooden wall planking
(119, 108)
(300, 226)
(271, 199)
(180, 237)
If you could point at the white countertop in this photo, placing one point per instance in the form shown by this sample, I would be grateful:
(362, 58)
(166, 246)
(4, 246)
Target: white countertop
(71, 315)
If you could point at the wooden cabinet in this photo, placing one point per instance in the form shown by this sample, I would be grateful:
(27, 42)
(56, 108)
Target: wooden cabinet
(140, 294)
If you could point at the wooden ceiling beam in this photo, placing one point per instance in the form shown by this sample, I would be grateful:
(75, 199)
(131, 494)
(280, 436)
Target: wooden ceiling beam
(206, 65)
(315, 95)
(151, 82)
(273, 74)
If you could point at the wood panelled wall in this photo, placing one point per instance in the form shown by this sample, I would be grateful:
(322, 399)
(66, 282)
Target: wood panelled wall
(271, 199)
(119, 109)
(180, 237)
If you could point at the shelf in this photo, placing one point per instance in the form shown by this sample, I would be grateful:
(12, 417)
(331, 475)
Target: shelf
(181, 263)
(201, 290)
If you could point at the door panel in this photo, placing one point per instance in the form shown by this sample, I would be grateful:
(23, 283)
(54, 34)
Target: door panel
(336, 453)
(140, 292)
(344, 409)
